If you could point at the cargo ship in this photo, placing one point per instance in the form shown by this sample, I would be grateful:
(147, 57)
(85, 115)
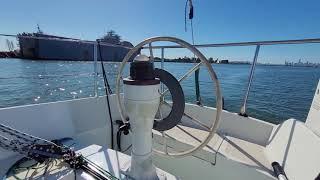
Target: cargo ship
(41, 46)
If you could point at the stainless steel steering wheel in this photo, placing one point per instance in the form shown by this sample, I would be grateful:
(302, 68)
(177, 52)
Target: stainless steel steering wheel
(214, 126)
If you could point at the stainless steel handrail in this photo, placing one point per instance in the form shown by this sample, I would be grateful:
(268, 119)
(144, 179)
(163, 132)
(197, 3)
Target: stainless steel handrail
(252, 69)
(253, 43)
(95, 70)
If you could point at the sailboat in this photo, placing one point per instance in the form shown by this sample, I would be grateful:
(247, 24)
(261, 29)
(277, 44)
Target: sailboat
(143, 135)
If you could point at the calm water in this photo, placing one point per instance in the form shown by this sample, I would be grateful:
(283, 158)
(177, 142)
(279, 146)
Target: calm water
(277, 93)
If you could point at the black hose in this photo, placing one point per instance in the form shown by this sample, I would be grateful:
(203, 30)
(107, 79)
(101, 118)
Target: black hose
(107, 91)
(123, 127)
(119, 140)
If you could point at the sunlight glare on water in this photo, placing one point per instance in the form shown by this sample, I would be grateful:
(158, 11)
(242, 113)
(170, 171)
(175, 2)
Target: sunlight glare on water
(278, 92)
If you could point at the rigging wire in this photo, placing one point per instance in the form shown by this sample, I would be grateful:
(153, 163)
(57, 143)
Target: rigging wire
(108, 91)
(105, 79)
(185, 16)
(191, 12)
(197, 72)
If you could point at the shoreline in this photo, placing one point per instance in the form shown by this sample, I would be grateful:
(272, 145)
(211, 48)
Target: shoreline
(13, 55)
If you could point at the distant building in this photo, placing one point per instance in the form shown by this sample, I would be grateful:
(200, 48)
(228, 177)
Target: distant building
(63, 48)
(224, 61)
(301, 64)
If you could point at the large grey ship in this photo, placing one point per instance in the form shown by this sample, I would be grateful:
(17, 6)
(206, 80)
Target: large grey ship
(50, 47)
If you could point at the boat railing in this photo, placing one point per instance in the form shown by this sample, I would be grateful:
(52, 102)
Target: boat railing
(257, 45)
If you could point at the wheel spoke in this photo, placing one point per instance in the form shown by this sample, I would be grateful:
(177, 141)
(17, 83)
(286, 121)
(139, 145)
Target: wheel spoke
(151, 52)
(164, 92)
(191, 118)
(189, 134)
(160, 112)
(195, 138)
(196, 121)
(194, 68)
(165, 144)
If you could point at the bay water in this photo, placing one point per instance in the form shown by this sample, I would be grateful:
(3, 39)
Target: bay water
(277, 93)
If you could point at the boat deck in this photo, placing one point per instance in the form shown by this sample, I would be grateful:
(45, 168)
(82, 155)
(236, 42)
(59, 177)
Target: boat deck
(233, 148)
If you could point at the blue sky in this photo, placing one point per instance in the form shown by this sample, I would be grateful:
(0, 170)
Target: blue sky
(215, 21)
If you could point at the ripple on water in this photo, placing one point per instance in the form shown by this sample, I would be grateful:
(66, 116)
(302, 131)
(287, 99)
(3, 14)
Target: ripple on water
(37, 98)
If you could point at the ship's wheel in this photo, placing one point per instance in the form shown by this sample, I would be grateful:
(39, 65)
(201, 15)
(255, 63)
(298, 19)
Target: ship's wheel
(177, 106)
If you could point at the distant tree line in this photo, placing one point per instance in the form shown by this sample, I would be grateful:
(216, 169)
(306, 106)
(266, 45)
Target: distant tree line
(186, 59)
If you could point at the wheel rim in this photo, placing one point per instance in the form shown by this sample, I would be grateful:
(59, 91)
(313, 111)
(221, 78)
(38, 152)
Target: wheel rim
(213, 77)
